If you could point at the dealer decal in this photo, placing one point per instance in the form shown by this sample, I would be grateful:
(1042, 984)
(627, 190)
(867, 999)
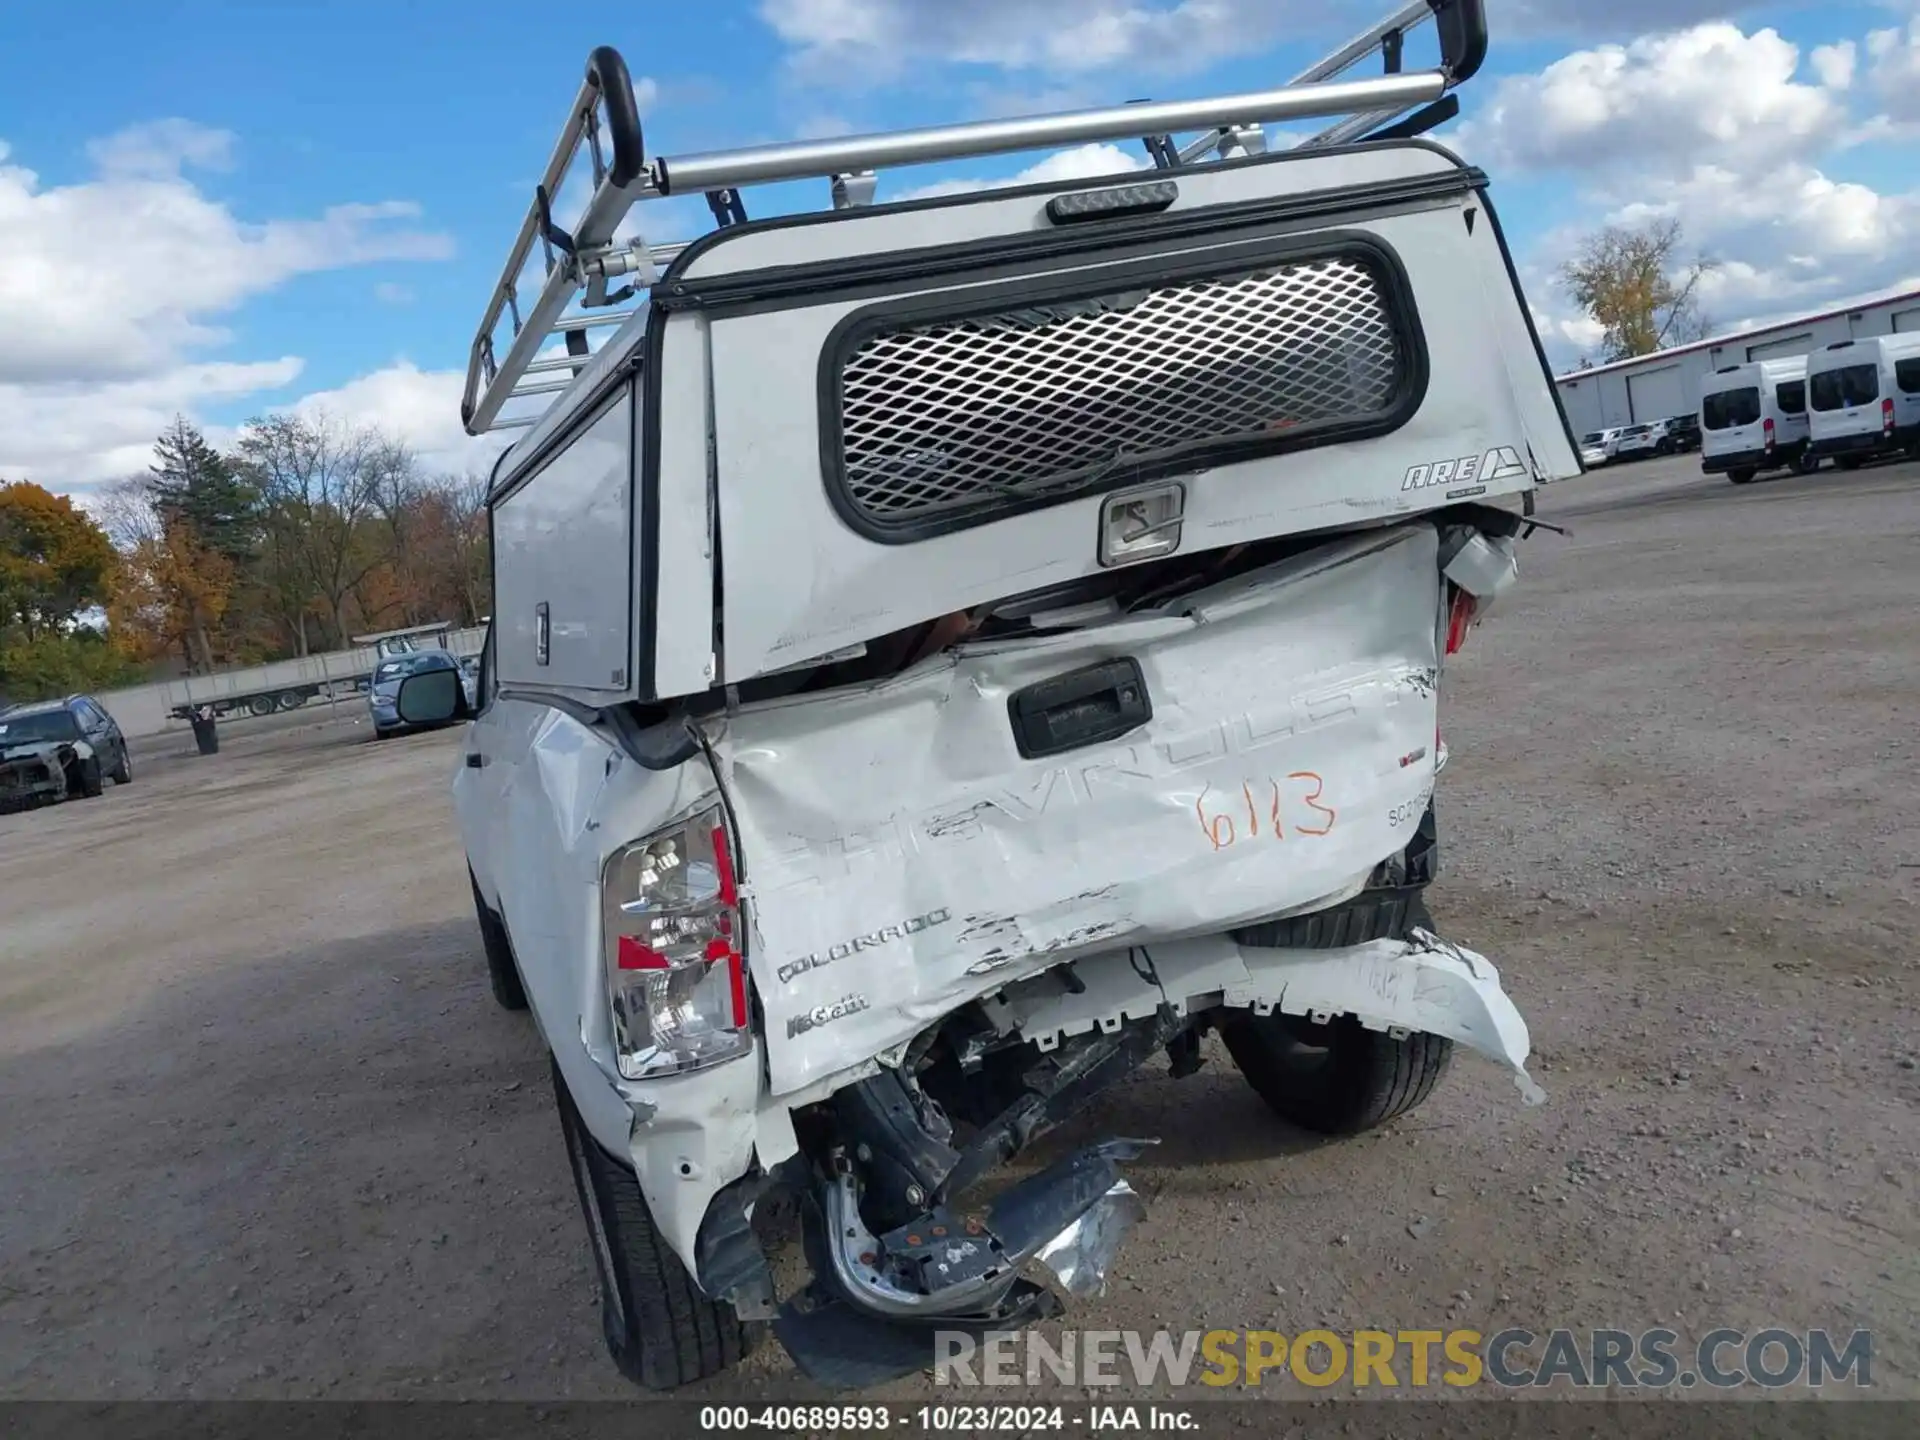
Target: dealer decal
(825, 1015)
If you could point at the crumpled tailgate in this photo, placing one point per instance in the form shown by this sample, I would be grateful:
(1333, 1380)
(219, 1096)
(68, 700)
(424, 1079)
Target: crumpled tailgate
(900, 857)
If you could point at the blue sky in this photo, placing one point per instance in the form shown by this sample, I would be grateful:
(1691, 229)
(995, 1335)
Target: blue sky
(171, 237)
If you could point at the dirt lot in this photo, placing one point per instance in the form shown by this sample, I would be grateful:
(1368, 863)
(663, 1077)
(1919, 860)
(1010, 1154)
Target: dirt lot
(266, 1135)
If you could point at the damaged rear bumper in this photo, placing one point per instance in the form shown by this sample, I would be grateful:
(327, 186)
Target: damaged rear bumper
(882, 1292)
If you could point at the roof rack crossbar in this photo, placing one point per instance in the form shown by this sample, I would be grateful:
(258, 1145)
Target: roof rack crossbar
(579, 264)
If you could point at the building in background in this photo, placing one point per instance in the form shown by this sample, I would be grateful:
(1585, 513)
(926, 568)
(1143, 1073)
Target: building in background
(1667, 382)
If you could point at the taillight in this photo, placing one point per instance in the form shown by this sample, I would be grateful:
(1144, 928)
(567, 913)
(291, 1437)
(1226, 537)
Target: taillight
(673, 948)
(1886, 415)
(1460, 612)
(1766, 427)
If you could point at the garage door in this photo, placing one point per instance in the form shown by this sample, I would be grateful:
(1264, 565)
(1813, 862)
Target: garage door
(1658, 394)
(1904, 320)
(1792, 345)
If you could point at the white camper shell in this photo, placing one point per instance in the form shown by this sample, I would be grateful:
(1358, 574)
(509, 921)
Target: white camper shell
(1753, 417)
(947, 653)
(1865, 398)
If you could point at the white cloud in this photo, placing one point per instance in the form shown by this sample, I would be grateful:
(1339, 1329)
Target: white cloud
(161, 149)
(113, 289)
(1692, 95)
(1834, 64)
(69, 435)
(881, 40)
(420, 408)
(1083, 162)
(1893, 70)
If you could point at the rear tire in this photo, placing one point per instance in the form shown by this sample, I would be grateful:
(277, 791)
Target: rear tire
(661, 1331)
(1335, 1079)
(1742, 477)
(1339, 1078)
(502, 971)
(1805, 464)
(122, 774)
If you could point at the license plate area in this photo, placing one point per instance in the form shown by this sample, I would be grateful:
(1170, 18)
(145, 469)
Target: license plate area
(1088, 706)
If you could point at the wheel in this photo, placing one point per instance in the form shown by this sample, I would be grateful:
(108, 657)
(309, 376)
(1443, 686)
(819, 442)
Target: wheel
(260, 705)
(89, 779)
(1742, 477)
(660, 1330)
(1340, 1078)
(290, 700)
(1335, 1079)
(1805, 463)
(1665, 447)
(122, 773)
(508, 992)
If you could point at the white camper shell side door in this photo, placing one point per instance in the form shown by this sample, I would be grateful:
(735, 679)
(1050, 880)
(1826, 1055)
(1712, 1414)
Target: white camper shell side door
(834, 516)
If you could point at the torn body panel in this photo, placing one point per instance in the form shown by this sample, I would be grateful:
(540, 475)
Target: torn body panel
(902, 858)
(1419, 985)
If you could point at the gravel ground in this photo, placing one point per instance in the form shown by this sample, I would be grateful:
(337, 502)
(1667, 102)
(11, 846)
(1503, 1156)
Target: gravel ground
(266, 1135)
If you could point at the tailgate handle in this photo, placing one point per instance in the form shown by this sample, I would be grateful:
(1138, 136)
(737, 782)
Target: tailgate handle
(1083, 707)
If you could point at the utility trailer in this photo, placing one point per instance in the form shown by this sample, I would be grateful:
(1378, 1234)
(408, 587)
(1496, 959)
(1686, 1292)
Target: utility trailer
(945, 653)
(334, 675)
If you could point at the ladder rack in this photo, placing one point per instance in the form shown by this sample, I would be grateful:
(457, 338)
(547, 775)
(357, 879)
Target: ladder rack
(580, 265)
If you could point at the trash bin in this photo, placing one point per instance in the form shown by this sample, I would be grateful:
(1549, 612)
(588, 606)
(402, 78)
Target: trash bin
(205, 735)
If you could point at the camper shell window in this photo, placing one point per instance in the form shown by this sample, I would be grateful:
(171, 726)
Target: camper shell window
(1724, 409)
(1850, 385)
(936, 417)
(1791, 396)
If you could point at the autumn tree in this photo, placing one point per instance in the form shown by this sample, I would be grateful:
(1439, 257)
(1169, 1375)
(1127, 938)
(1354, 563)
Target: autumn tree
(320, 483)
(55, 562)
(1633, 283)
(56, 565)
(174, 590)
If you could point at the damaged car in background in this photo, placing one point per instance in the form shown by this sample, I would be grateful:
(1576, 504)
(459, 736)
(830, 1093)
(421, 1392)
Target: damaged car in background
(946, 655)
(59, 749)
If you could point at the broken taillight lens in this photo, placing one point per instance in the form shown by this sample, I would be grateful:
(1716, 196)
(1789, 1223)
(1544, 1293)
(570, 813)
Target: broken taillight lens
(671, 937)
(1461, 610)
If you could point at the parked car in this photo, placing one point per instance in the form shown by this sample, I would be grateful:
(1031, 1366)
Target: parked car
(1637, 442)
(1865, 398)
(56, 749)
(387, 677)
(1683, 433)
(1596, 447)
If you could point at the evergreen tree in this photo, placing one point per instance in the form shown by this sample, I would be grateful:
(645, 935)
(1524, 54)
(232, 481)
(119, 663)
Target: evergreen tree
(195, 485)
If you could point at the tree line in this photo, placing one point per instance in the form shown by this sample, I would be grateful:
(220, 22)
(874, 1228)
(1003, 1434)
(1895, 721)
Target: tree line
(306, 532)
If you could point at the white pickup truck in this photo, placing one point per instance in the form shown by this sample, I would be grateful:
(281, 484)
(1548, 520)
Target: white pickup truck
(948, 653)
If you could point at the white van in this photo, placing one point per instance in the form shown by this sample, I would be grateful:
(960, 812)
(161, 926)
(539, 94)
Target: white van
(1753, 417)
(1865, 398)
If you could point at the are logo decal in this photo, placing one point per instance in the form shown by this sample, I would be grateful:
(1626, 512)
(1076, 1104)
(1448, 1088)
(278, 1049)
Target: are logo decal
(1500, 463)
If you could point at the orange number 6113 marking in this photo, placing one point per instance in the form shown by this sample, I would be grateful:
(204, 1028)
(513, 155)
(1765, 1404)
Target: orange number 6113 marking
(1222, 831)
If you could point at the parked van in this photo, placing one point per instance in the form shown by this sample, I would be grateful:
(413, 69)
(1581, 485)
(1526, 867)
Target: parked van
(1865, 398)
(1753, 417)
